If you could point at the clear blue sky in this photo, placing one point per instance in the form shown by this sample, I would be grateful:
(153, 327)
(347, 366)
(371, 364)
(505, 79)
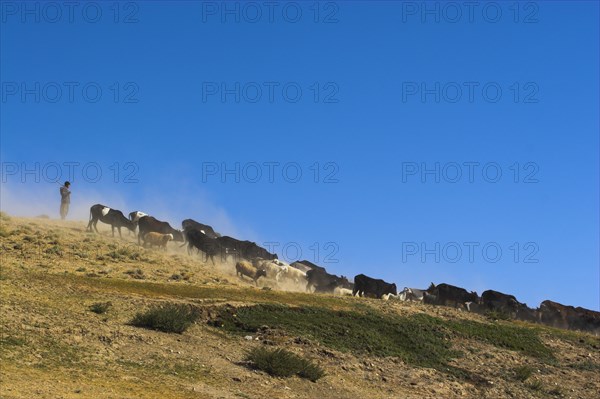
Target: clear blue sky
(387, 90)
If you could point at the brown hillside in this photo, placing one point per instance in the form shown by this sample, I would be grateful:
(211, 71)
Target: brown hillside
(53, 346)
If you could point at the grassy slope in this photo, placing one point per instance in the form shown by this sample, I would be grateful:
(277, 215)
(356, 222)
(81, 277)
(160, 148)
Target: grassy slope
(53, 346)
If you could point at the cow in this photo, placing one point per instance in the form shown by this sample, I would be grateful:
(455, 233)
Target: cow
(244, 268)
(342, 291)
(497, 301)
(203, 243)
(136, 215)
(289, 273)
(271, 267)
(189, 224)
(554, 314)
(429, 299)
(324, 282)
(364, 285)
(558, 315)
(245, 249)
(300, 266)
(586, 320)
(411, 294)
(110, 216)
(504, 303)
(306, 265)
(147, 224)
(448, 294)
(157, 239)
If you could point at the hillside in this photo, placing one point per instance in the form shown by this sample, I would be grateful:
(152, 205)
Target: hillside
(53, 346)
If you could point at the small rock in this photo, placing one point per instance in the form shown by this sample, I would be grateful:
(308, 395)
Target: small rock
(248, 338)
(237, 379)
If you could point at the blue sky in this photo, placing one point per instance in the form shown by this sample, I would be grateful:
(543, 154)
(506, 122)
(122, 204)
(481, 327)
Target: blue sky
(359, 98)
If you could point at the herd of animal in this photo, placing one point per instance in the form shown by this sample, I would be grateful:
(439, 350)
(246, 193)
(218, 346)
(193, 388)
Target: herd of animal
(254, 262)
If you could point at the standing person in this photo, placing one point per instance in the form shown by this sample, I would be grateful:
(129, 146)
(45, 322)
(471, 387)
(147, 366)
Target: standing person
(65, 200)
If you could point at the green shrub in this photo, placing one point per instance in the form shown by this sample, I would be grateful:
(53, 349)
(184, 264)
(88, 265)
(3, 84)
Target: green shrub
(173, 318)
(523, 372)
(54, 250)
(137, 274)
(506, 336)
(4, 232)
(497, 315)
(100, 307)
(283, 363)
(419, 339)
(535, 385)
(586, 365)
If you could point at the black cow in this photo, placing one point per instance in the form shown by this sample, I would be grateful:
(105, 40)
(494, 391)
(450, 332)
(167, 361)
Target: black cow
(499, 302)
(364, 285)
(147, 224)
(324, 282)
(135, 217)
(445, 294)
(568, 317)
(245, 249)
(306, 265)
(504, 303)
(202, 242)
(189, 224)
(110, 216)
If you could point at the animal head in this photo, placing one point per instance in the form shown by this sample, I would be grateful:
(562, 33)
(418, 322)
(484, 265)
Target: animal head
(131, 226)
(261, 272)
(393, 289)
(431, 288)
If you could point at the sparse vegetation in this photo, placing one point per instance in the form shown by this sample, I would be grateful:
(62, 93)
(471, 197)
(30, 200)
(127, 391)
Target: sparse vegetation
(497, 315)
(7, 340)
(100, 307)
(4, 232)
(535, 385)
(522, 373)
(136, 273)
(125, 253)
(419, 339)
(282, 363)
(54, 250)
(508, 336)
(171, 318)
(556, 391)
(586, 365)
(4, 217)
